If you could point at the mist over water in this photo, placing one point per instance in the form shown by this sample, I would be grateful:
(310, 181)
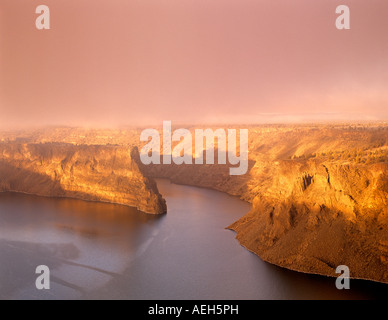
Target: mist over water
(106, 251)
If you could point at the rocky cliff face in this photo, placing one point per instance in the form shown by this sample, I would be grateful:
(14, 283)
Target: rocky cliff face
(95, 173)
(313, 216)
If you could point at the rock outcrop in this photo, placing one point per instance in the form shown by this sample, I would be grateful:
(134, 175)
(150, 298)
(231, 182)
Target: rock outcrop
(312, 217)
(94, 173)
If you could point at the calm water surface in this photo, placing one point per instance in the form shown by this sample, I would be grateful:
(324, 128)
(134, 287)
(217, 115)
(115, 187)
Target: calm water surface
(105, 251)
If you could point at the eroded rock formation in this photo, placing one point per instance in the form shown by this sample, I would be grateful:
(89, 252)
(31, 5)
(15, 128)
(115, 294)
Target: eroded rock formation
(312, 217)
(94, 173)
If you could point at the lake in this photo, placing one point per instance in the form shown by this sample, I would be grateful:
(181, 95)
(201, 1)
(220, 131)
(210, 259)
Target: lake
(107, 251)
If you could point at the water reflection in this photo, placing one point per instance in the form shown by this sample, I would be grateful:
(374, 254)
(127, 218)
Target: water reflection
(85, 244)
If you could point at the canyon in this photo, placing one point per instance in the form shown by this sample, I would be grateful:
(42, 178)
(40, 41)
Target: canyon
(318, 193)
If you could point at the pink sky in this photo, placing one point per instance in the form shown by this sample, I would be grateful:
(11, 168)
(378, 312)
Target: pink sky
(134, 62)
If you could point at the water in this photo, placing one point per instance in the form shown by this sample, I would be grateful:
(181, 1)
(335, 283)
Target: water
(106, 251)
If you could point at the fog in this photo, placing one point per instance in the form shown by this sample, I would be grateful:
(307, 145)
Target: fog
(122, 62)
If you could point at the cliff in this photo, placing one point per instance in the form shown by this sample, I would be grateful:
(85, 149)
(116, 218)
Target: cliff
(313, 216)
(94, 173)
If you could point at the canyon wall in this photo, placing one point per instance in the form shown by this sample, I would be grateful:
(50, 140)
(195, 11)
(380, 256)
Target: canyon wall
(94, 173)
(312, 217)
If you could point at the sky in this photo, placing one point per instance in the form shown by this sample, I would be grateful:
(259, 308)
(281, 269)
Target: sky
(125, 62)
